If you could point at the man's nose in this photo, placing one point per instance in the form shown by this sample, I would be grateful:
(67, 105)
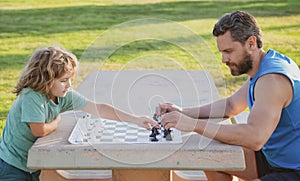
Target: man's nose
(225, 58)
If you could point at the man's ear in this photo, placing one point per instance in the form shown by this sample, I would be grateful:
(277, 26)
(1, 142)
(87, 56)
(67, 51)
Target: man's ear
(252, 41)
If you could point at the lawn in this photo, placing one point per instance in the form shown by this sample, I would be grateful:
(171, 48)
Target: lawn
(78, 25)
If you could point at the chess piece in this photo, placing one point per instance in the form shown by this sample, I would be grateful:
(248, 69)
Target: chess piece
(153, 132)
(168, 135)
(155, 118)
(154, 138)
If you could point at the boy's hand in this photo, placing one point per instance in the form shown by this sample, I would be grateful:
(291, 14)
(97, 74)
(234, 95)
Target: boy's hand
(146, 122)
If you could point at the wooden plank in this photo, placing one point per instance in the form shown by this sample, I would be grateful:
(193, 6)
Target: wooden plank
(53, 175)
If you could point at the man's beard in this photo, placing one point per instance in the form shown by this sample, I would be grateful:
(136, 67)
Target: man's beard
(243, 67)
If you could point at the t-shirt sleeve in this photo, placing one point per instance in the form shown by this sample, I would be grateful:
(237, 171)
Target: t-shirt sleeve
(73, 101)
(33, 107)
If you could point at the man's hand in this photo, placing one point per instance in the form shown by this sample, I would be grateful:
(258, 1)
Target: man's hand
(179, 121)
(167, 107)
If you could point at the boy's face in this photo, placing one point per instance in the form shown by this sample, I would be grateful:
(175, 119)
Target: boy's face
(60, 86)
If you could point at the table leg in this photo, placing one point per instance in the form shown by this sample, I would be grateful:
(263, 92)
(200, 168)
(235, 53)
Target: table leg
(138, 175)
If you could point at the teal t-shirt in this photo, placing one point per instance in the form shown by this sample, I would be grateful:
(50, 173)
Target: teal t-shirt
(31, 106)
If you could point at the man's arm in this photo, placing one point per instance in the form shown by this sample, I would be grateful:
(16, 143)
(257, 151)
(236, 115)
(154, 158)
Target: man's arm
(273, 92)
(226, 107)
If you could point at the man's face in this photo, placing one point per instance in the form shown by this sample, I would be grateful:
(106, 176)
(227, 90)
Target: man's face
(234, 55)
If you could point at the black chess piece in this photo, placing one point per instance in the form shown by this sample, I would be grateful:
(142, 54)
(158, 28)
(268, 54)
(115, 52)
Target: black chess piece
(167, 135)
(154, 138)
(157, 130)
(155, 118)
(159, 124)
(153, 132)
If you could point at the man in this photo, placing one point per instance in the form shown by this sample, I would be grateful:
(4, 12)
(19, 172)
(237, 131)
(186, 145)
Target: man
(271, 136)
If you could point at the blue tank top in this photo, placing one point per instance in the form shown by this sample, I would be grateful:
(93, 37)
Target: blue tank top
(282, 150)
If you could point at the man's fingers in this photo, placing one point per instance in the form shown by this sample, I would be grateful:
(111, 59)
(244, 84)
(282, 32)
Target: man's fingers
(162, 108)
(158, 110)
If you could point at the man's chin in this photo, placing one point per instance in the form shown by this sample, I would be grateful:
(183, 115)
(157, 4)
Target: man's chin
(235, 73)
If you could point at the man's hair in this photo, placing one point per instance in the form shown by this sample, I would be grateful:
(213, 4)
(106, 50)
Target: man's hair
(45, 65)
(241, 25)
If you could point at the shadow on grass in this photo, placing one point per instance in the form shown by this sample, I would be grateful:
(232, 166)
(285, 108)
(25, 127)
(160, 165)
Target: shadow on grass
(47, 21)
(71, 19)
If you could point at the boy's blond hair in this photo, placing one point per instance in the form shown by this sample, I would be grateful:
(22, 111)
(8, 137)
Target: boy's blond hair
(45, 65)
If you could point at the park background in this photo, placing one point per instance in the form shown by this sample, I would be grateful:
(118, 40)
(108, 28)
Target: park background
(76, 24)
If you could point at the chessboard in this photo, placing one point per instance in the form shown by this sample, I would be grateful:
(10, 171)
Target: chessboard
(97, 131)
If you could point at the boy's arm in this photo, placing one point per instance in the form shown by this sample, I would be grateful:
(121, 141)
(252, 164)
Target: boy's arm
(107, 111)
(43, 129)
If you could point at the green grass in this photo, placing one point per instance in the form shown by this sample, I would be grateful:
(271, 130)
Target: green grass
(26, 25)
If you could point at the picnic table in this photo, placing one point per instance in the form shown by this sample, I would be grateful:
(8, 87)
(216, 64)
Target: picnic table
(138, 92)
